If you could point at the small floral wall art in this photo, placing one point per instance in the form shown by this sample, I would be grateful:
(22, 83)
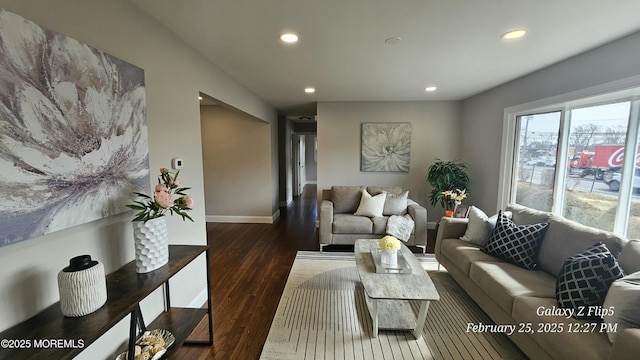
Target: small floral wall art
(386, 147)
(73, 133)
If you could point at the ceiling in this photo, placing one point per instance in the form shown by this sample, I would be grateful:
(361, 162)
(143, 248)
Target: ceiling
(452, 44)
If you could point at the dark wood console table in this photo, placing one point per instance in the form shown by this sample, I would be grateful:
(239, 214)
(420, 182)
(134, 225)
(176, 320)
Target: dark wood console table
(125, 290)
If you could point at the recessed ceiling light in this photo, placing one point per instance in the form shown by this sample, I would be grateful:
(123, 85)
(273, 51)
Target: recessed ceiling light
(310, 90)
(289, 38)
(513, 34)
(431, 88)
(199, 97)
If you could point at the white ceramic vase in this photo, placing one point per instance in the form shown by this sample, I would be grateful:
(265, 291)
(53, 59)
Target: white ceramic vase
(151, 244)
(389, 258)
(82, 292)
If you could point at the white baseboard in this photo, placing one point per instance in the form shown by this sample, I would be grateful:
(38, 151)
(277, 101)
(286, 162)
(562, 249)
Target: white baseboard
(199, 300)
(311, 183)
(241, 219)
(275, 216)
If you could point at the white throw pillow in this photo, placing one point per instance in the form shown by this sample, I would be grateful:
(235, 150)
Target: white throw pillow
(621, 305)
(480, 226)
(371, 206)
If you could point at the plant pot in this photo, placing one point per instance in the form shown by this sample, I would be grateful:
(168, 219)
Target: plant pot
(389, 258)
(151, 244)
(448, 213)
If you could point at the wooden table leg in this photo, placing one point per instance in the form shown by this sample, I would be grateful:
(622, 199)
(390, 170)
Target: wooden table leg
(422, 316)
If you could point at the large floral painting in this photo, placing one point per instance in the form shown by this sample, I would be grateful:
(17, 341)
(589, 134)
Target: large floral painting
(73, 136)
(386, 147)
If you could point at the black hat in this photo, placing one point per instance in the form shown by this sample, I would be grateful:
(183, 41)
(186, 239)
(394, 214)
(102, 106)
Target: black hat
(80, 263)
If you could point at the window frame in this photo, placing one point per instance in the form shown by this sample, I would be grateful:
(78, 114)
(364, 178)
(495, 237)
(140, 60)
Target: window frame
(617, 91)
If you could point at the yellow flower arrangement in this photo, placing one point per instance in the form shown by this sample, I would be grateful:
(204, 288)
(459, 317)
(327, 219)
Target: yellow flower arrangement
(389, 243)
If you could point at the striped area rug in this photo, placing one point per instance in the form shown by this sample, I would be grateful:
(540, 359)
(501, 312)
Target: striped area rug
(323, 315)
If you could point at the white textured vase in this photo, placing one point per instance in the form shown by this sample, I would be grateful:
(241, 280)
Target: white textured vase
(82, 292)
(389, 258)
(151, 243)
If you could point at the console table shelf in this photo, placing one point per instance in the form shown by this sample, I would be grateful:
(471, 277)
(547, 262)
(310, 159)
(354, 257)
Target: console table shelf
(125, 290)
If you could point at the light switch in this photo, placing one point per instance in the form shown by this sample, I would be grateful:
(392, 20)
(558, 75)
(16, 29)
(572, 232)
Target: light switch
(176, 163)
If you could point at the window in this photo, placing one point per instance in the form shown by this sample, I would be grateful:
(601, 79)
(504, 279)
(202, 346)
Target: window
(597, 135)
(536, 161)
(570, 158)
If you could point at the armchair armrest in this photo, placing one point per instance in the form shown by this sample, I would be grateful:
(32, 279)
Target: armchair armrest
(419, 215)
(449, 228)
(326, 221)
(626, 346)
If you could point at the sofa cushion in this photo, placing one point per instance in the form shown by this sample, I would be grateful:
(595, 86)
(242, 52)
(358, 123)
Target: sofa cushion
(565, 238)
(523, 215)
(629, 258)
(380, 225)
(462, 254)
(352, 224)
(345, 198)
(503, 282)
(516, 244)
(585, 279)
(623, 298)
(559, 336)
(371, 206)
(395, 204)
(480, 226)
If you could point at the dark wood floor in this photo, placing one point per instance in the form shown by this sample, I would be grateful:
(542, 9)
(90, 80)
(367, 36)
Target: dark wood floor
(249, 268)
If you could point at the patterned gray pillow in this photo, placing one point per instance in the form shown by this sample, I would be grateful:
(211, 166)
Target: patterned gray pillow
(585, 279)
(516, 244)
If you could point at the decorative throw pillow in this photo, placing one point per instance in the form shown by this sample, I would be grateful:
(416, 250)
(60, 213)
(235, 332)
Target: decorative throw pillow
(480, 226)
(371, 206)
(585, 279)
(395, 204)
(516, 244)
(623, 298)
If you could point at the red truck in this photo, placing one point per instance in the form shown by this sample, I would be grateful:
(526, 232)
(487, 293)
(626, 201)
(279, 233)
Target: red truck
(605, 158)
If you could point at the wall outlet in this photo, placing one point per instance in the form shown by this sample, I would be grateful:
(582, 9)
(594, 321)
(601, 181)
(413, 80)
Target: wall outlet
(177, 163)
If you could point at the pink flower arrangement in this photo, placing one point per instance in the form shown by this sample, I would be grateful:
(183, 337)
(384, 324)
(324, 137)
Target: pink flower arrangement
(163, 199)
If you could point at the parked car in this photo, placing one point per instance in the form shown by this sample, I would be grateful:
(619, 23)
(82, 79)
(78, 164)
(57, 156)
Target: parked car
(614, 181)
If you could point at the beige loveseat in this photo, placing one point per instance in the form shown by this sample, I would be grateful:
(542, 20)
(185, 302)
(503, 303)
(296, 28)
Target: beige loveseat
(510, 294)
(339, 225)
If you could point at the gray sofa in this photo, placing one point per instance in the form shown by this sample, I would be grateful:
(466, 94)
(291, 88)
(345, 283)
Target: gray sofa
(339, 225)
(512, 295)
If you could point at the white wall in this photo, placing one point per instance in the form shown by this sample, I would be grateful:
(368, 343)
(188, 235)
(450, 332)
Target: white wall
(483, 114)
(237, 166)
(174, 74)
(435, 130)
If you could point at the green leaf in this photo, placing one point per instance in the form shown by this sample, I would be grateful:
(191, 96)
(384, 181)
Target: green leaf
(143, 195)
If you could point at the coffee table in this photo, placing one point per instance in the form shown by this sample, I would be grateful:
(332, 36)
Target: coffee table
(388, 295)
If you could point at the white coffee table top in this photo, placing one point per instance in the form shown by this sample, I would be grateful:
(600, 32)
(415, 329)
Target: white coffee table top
(414, 286)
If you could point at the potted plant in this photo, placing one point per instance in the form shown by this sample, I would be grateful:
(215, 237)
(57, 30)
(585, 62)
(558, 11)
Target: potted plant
(149, 225)
(447, 176)
(451, 200)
